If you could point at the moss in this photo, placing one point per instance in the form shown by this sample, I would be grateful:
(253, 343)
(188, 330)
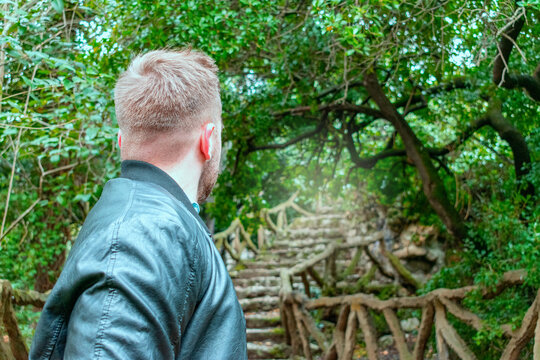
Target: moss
(240, 266)
(277, 352)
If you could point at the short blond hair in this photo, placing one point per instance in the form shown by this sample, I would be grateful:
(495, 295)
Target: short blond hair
(167, 90)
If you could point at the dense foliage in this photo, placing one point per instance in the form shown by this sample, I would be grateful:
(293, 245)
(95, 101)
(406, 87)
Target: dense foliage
(431, 106)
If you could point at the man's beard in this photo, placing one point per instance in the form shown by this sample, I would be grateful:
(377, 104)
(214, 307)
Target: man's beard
(208, 179)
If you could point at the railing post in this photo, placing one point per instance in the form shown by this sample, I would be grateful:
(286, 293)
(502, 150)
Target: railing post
(399, 337)
(315, 276)
(350, 337)
(424, 332)
(302, 331)
(352, 265)
(9, 321)
(306, 284)
(280, 220)
(261, 241)
(370, 335)
(536, 346)
(330, 274)
(336, 348)
(524, 334)
(447, 336)
(236, 242)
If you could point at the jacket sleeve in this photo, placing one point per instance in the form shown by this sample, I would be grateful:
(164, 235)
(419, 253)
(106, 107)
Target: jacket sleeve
(144, 300)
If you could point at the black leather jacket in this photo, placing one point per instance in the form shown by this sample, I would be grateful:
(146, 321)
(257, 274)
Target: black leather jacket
(143, 281)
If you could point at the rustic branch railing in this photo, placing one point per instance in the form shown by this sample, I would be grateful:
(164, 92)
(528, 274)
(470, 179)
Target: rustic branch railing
(302, 332)
(8, 297)
(242, 239)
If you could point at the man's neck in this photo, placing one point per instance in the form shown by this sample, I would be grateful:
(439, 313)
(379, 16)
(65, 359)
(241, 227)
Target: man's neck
(186, 172)
(187, 175)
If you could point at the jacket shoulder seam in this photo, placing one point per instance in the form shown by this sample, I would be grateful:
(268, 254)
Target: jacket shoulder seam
(54, 338)
(109, 277)
(194, 264)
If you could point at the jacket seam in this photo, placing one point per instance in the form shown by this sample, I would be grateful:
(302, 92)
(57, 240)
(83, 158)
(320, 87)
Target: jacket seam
(54, 338)
(206, 238)
(98, 347)
(193, 266)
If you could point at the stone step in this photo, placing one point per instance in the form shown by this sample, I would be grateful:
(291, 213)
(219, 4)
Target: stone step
(297, 255)
(275, 259)
(253, 273)
(274, 334)
(273, 280)
(299, 244)
(262, 281)
(306, 233)
(270, 264)
(335, 224)
(343, 258)
(256, 291)
(288, 260)
(263, 319)
(262, 303)
(289, 253)
(267, 350)
(326, 220)
(318, 217)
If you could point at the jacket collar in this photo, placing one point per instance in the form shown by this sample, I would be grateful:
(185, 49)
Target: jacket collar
(143, 171)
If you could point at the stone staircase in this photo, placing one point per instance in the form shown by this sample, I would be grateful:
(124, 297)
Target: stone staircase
(257, 281)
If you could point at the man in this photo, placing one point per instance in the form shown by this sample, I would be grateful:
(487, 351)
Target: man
(144, 280)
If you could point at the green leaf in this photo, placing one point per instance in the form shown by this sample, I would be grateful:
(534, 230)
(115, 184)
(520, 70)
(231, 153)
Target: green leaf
(91, 133)
(58, 5)
(82, 197)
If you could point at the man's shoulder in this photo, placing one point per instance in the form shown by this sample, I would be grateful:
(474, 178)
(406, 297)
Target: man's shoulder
(125, 198)
(128, 207)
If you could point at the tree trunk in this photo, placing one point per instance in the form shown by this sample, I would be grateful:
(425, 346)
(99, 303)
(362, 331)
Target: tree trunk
(431, 182)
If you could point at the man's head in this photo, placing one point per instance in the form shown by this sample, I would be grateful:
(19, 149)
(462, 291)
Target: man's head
(168, 109)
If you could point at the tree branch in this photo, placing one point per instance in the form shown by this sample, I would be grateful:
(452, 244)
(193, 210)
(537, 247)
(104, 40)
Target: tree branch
(358, 109)
(465, 135)
(338, 88)
(417, 100)
(369, 162)
(12, 176)
(19, 219)
(252, 147)
(517, 143)
(495, 119)
(501, 75)
(457, 83)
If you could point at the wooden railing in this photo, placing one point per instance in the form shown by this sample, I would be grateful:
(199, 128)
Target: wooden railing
(15, 347)
(354, 310)
(235, 239)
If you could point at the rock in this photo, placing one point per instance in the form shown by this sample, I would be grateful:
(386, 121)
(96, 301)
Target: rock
(386, 341)
(436, 254)
(419, 265)
(417, 234)
(408, 325)
(410, 251)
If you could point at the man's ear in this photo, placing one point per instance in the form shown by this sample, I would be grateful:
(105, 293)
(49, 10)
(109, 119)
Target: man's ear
(120, 138)
(206, 141)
